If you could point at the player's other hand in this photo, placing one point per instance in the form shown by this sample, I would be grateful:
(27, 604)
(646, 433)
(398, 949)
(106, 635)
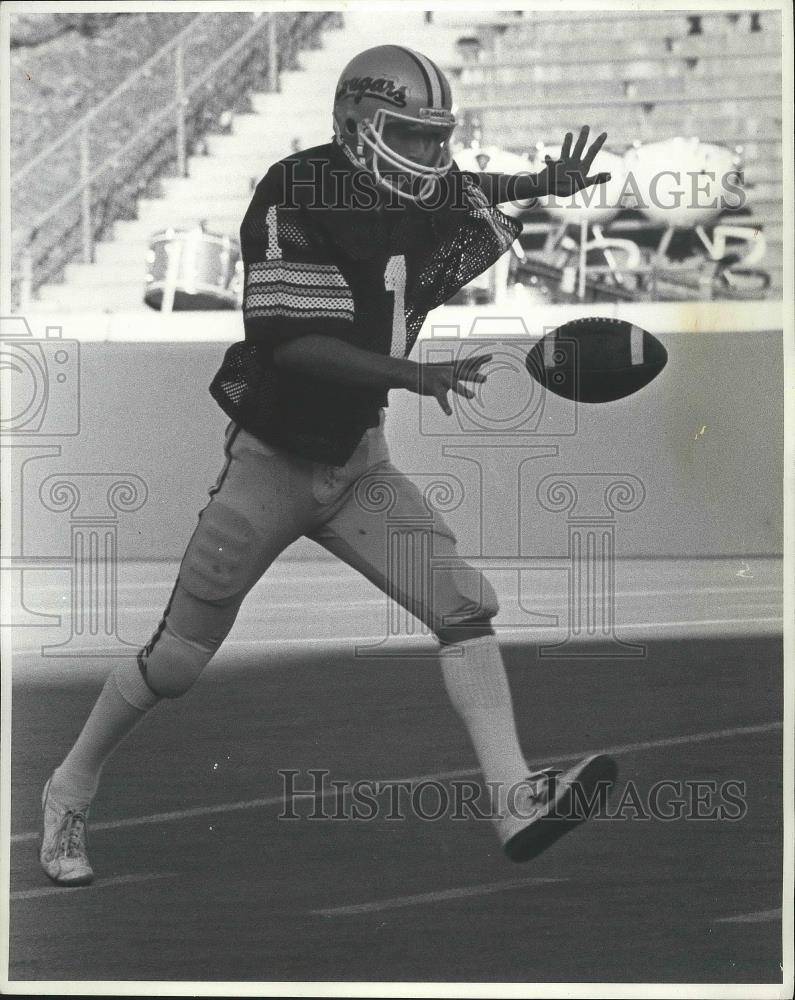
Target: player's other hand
(438, 378)
(569, 173)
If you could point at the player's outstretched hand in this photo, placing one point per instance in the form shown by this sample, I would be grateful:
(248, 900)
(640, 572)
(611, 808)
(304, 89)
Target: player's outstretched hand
(437, 378)
(569, 173)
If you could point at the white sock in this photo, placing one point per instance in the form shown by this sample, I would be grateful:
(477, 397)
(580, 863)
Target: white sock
(122, 703)
(477, 685)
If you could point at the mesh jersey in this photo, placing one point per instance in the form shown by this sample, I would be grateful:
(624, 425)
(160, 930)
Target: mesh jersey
(315, 264)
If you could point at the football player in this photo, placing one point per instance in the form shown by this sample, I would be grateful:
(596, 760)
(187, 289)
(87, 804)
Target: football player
(346, 248)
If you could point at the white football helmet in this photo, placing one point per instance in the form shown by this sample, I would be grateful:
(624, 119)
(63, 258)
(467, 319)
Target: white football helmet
(386, 84)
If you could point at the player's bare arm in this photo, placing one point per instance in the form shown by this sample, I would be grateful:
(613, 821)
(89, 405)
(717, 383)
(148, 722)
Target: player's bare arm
(342, 362)
(337, 361)
(564, 176)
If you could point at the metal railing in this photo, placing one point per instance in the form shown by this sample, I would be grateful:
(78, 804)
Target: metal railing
(67, 196)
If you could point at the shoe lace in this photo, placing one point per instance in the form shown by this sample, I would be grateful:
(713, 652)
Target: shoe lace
(73, 836)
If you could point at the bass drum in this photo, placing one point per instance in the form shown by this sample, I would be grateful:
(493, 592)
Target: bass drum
(683, 182)
(193, 269)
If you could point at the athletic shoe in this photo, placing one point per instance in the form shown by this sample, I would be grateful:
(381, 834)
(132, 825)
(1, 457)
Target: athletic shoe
(63, 853)
(555, 803)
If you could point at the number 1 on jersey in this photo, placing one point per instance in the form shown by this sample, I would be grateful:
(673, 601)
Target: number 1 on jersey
(395, 282)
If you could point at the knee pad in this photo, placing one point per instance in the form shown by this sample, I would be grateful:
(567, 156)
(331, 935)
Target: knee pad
(173, 665)
(472, 619)
(217, 563)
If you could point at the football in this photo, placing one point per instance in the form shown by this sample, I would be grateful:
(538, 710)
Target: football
(596, 360)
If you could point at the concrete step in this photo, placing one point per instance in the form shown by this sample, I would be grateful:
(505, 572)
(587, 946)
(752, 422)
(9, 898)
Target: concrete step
(678, 112)
(139, 231)
(291, 79)
(505, 129)
(229, 148)
(116, 297)
(500, 84)
(490, 90)
(612, 28)
(310, 100)
(696, 45)
(97, 275)
(273, 104)
(265, 102)
(353, 32)
(260, 126)
(212, 168)
(666, 68)
(330, 60)
(272, 146)
(121, 253)
(532, 37)
(366, 27)
(726, 88)
(227, 183)
(179, 212)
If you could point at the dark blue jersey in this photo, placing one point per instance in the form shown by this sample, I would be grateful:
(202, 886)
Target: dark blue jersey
(321, 258)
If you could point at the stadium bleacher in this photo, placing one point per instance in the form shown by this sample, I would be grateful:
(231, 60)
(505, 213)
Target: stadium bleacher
(642, 77)
(520, 80)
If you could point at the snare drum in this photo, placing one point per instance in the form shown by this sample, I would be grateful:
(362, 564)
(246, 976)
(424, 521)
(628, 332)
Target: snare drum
(683, 182)
(193, 269)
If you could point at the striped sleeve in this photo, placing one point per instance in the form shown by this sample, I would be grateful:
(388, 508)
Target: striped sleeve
(293, 286)
(296, 290)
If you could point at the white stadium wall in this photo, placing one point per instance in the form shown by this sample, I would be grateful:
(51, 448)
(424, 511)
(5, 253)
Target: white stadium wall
(704, 441)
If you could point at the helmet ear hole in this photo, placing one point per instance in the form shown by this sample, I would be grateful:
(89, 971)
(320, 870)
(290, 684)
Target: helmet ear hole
(350, 126)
